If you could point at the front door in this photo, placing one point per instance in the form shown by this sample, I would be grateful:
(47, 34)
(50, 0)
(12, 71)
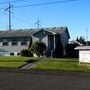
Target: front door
(51, 42)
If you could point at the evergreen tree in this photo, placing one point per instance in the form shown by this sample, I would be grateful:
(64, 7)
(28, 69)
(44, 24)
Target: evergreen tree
(38, 48)
(81, 40)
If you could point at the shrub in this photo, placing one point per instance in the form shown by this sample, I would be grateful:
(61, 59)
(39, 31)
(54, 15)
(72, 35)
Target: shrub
(26, 52)
(38, 47)
(70, 51)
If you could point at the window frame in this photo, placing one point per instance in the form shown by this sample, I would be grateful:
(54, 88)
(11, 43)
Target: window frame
(14, 43)
(4, 43)
(23, 43)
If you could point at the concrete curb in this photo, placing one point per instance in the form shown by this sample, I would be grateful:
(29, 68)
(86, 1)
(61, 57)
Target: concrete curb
(47, 72)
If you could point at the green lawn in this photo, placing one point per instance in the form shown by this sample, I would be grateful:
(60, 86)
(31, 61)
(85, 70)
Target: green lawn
(66, 64)
(15, 62)
(62, 64)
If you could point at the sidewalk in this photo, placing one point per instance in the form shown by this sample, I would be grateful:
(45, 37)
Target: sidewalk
(30, 65)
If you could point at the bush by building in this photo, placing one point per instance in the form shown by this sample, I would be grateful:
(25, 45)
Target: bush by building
(26, 53)
(38, 48)
(70, 51)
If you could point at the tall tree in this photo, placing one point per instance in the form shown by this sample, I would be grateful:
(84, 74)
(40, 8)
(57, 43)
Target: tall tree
(81, 40)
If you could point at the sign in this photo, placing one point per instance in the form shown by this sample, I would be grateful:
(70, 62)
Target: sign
(84, 56)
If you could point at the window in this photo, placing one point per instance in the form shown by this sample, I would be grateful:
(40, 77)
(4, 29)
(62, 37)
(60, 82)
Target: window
(5, 40)
(14, 43)
(5, 43)
(23, 43)
(12, 54)
(1, 40)
(18, 54)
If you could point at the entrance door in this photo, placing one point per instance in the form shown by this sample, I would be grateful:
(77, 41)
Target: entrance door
(50, 42)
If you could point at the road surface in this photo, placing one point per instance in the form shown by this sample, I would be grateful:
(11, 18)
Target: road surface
(28, 81)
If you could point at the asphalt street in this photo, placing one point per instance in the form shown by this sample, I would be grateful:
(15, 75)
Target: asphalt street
(28, 81)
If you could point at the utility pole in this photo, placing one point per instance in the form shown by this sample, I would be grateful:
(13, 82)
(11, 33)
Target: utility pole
(86, 37)
(9, 16)
(38, 24)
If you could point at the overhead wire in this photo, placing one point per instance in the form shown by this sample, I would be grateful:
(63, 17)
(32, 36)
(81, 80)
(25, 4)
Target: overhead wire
(13, 1)
(46, 3)
(41, 4)
(38, 4)
(18, 19)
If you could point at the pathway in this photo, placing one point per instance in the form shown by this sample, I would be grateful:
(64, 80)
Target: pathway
(30, 65)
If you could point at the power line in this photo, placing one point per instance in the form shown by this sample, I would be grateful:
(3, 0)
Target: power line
(47, 3)
(20, 20)
(2, 25)
(9, 11)
(41, 4)
(13, 1)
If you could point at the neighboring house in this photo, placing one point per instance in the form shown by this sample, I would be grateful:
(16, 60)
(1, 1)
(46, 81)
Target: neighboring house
(12, 42)
(76, 42)
(87, 43)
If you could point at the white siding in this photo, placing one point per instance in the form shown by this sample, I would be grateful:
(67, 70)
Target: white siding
(41, 36)
(16, 48)
(44, 40)
(35, 39)
(84, 56)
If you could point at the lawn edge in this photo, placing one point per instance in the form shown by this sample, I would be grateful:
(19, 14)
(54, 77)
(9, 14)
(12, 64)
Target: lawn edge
(46, 72)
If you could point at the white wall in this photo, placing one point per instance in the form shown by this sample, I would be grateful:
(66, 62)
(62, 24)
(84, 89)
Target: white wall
(16, 48)
(84, 56)
(4, 54)
(44, 40)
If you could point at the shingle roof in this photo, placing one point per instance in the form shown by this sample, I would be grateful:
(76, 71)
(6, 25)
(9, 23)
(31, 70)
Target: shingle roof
(58, 30)
(16, 33)
(30, 32)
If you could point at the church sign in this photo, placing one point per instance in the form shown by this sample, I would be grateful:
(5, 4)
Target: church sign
(84, 54)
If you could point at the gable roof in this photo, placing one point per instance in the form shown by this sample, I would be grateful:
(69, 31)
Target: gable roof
(30, 32)
(16, 33)
(54, 30)
(44, 30)
(60, 30)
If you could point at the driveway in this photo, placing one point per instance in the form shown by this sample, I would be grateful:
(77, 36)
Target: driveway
(28, 81)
